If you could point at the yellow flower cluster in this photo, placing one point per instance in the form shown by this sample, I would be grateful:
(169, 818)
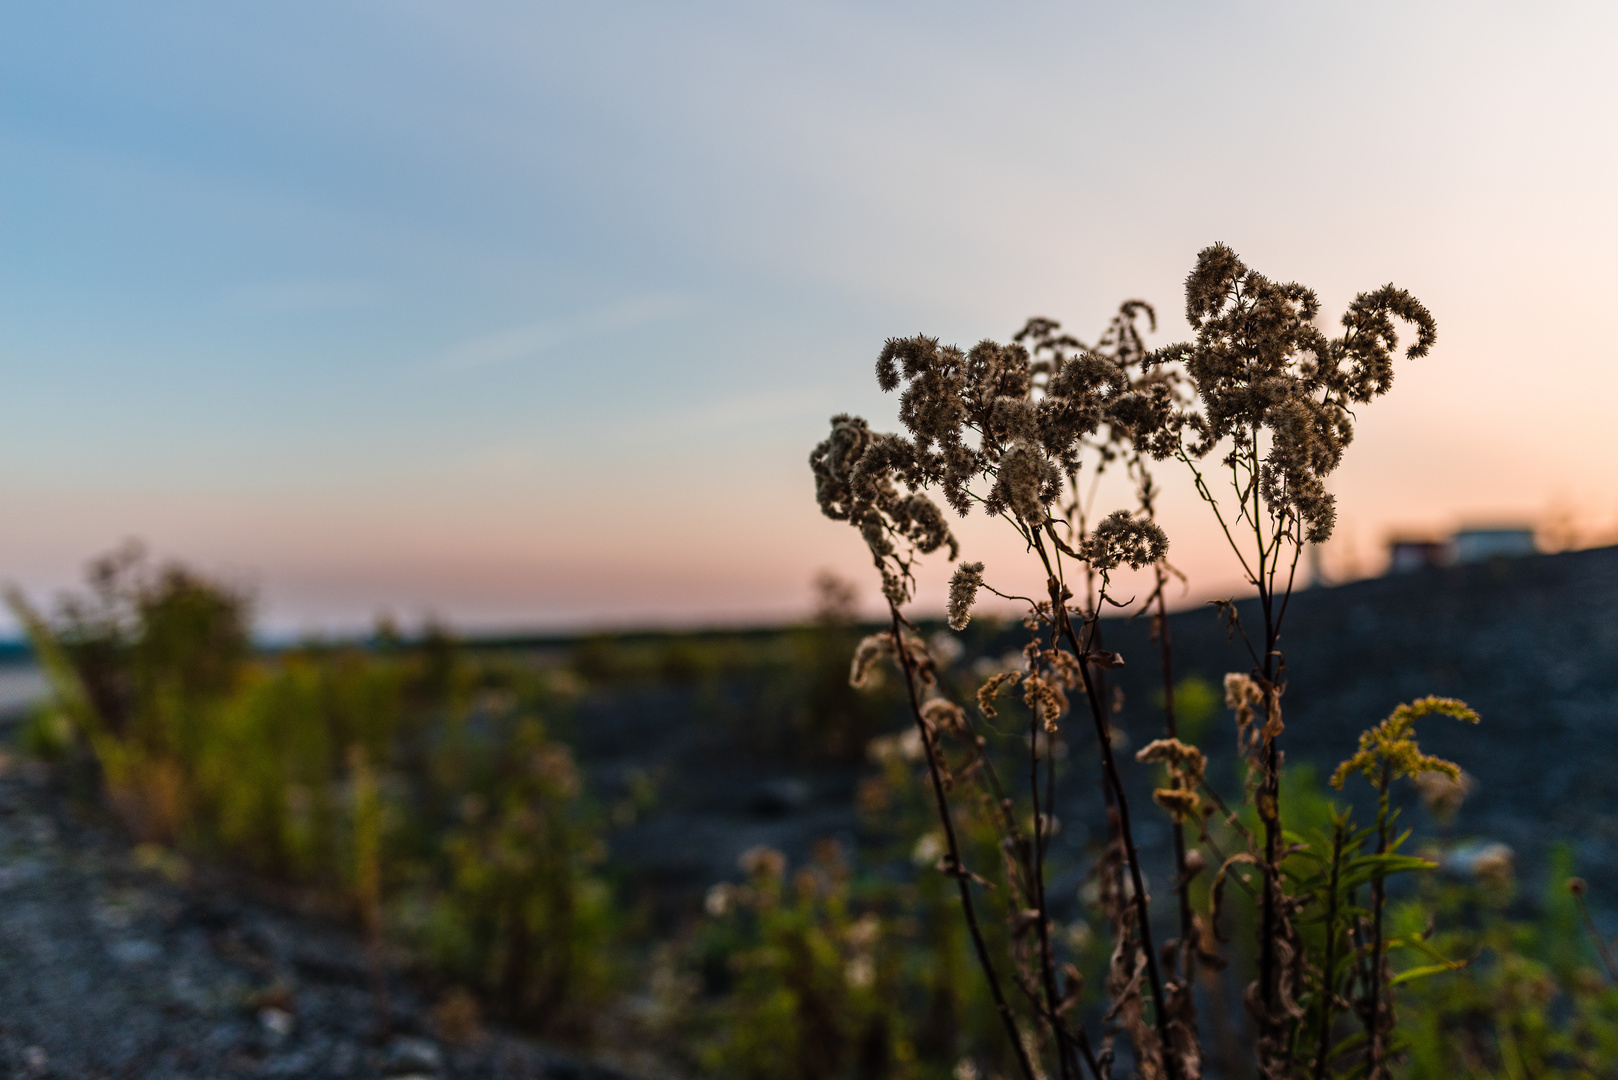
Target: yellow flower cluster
(1392, 743)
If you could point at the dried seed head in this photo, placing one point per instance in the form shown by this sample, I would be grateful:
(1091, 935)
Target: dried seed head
(870, 649)
(1186, 765)
(1045, 700)
(1014, 418)
(876, 646)
(963, 590)
(1241, 694)
(1178, 756)
(944, 715)
(1120, 538)
(860, 478)
(1441, 793)
(991, 690)
(1025, 482)
(1260, 364)
(918, 519)
(1178, 801)
(1065, 668)
(763, 862)
(833, 464)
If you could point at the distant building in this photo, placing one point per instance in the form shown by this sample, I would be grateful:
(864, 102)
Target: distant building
(1481, 545)
(1406, 555)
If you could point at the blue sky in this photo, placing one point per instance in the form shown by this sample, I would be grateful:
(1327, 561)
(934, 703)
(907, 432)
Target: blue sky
(528, 314)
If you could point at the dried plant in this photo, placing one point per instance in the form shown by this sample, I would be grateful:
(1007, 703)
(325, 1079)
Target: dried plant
(1021, 431)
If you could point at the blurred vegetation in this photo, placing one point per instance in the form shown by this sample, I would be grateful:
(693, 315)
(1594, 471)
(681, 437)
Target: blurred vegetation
(855, 965)
(783, 695)
(411, 786)
(423, 790)
(826, 973)
(1537, 998)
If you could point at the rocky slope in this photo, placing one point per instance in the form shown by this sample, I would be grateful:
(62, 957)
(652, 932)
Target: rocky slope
(111, 966)
(1531, 643)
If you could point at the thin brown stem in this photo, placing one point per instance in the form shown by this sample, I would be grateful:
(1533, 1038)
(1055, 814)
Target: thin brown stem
(1182, 879)
(1047, 963)
(957, 868)
(1269, 974)
(1110, 766)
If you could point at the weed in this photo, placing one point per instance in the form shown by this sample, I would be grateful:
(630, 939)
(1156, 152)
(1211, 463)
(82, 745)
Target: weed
(1020, 431)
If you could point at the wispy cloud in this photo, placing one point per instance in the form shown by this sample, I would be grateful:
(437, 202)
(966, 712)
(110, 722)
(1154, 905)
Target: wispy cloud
(300, 297)
(735, 411)
(534, 338)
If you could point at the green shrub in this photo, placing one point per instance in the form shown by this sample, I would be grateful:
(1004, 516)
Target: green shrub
(409, 784)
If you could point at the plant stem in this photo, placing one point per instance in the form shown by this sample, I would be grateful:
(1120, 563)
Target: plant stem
(1269, 791)
(1047, 964)
(1595, 937)
(1182, 884)
(957, 868)
(1374, 1015)
(1328, 980)
(1020, 846)
(1110, 765)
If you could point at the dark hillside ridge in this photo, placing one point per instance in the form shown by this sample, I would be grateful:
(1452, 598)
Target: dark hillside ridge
(1531, 643)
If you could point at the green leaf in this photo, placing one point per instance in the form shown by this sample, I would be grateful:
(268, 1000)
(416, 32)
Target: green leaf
(1422, 972)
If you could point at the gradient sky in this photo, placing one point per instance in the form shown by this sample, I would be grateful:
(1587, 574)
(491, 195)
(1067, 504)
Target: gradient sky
(528, 314)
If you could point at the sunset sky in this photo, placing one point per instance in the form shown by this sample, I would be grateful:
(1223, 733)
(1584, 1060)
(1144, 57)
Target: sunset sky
(527, 315)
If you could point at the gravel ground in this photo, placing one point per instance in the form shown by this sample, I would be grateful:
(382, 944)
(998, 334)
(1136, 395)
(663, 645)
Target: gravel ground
(109, 968)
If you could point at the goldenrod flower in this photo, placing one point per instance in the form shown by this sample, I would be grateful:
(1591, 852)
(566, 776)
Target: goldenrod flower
(1392, 743)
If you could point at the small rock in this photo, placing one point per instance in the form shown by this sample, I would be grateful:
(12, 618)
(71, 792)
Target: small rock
(1489, 862)
(408, 1056)
(278, 1022)
(35, 1060)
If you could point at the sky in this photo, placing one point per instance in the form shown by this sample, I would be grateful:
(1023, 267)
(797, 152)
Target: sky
(527, 315)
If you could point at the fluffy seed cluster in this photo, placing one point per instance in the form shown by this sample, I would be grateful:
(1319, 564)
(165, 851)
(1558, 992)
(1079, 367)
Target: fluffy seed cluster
(1015, 417)
(1045, 700)
(1186, 766)
(943, 714)
(994, 412)
(991, 689)
(963, 591)
(874, 647)
(1393, 743)
(1241, 694)
(1260, 364)
(870, 481)
(1121, 538)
